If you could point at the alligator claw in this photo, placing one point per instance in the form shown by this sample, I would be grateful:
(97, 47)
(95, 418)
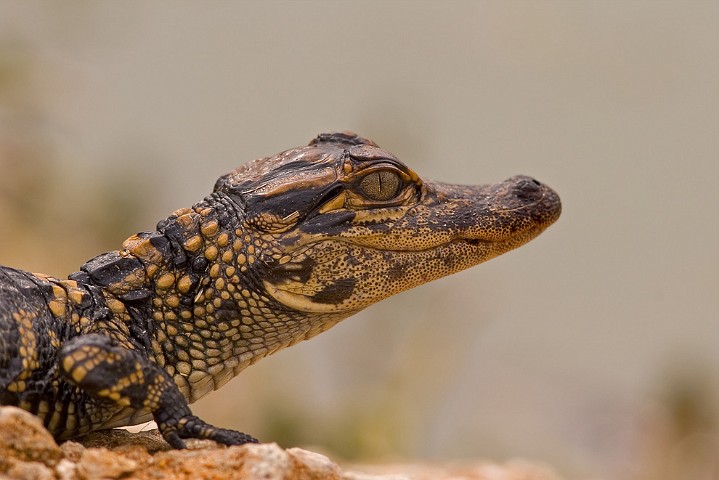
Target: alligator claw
(191, 426)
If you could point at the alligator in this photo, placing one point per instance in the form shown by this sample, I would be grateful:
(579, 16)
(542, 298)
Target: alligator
(282, 249)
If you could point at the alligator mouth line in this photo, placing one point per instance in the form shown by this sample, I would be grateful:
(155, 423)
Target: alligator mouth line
(533, 231)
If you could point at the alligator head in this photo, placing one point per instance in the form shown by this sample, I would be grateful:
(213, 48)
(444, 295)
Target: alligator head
(352, 224)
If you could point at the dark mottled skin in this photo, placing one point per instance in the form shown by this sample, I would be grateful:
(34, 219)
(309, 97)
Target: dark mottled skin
(283, 249)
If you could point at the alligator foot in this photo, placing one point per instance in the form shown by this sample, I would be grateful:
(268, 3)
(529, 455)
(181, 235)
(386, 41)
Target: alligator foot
(173, 431)
(112, 373)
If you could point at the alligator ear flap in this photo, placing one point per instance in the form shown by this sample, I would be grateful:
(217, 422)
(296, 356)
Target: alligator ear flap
(222, 182)
(343, 138)
(226, 184)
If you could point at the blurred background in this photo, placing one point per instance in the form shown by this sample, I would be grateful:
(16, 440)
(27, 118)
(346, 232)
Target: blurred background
(593, 349)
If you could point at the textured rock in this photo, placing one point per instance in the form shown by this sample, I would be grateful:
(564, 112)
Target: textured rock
(100, 463)
(23, 438)
(515, 470)
(29, 471)
(27, 451)
(312, 465)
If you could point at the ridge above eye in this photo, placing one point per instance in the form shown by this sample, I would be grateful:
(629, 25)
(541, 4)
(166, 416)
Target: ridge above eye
(380, 185)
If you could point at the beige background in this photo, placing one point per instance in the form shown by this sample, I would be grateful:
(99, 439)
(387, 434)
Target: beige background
(594, 348)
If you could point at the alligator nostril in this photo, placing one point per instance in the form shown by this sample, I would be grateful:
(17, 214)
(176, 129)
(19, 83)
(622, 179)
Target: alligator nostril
(527, 188)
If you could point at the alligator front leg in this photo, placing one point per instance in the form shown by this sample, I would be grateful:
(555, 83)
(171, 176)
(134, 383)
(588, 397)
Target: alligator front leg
(109, 372)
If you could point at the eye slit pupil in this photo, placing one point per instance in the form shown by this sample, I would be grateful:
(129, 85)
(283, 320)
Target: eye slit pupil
(381, 185)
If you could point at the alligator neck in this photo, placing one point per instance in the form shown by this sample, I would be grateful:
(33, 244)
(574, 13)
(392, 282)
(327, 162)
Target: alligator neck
(194, 298)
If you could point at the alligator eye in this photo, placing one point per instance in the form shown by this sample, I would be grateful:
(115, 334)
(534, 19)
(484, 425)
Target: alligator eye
(380, 185)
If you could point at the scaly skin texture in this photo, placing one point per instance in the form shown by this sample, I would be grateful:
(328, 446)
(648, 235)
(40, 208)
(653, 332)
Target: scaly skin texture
(283, 249)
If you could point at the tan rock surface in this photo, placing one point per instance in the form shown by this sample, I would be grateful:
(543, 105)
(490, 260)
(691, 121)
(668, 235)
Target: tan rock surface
(27, 451)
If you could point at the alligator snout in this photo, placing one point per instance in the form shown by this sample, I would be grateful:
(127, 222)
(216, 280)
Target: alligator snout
(526, 193)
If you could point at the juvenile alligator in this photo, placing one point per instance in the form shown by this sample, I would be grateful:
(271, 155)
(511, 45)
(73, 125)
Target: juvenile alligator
(283, 249)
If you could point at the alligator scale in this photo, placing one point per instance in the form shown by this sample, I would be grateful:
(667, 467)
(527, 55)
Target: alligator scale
(283, 249)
